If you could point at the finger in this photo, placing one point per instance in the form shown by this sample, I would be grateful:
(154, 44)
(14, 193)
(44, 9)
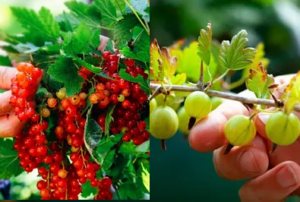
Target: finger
(5, 106)
(10, 126)
(208, 134)
(242, 162)
(273, 186)
(6, 74)
(103, 42)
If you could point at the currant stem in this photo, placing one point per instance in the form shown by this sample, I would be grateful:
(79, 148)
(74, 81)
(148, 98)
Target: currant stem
(163, 145)
(225, 95)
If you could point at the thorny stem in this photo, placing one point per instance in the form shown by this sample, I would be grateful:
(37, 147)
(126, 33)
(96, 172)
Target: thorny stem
(225, 95)
(137, 16)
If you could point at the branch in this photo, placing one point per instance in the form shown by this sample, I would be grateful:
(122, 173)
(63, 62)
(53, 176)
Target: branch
(226, 95)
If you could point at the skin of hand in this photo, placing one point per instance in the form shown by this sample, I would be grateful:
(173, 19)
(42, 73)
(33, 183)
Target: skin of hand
(272, 178)
(10, 125)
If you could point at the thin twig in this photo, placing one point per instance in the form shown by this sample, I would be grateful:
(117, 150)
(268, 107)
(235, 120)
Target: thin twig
(224, 95)
(137, 16)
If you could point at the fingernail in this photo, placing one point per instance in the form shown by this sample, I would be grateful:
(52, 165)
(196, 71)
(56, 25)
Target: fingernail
(286, 177)
(248, 162)
(263, 117)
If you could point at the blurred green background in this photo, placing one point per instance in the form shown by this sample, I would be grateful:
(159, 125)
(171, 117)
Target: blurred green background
(181, 173)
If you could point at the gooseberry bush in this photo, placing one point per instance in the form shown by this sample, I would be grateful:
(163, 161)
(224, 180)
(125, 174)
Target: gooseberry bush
(86, 134)
(188, 83)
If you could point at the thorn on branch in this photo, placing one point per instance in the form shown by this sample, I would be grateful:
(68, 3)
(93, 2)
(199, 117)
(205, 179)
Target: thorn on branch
(248, 106)
(156, 93)
(278, 103)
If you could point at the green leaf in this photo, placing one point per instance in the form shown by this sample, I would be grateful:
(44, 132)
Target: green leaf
(234, 55)
(88, 66)
(5, 61)
(41, 93)
(64, 71)
(258, 82)
(40, 26)
(87, 190)
(108, 12)
(143, 147)
(83, 41)
(291, 94)
(93, 132)
(84, 13)
(142, 56)
(146, 177)
(107, 160)
(204, 46)
(50, 24)
(128, 148)
(109, 46)
(109, 118)
(139, 79)
(140, 6)
(9, 161)
(123, 30)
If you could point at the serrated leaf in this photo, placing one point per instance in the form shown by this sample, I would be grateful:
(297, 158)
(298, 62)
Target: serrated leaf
(5, 61)
(156, 71)
(234, 55)
(109, 118)
(88, 66)
(178, 79)
(139, 79)
(83, 41)
(258, 82)
(9, 161)
(204, 46)
(87, 190)
(292, 94)
(64, 71)
(85, 13)
(123, 30)
(49, 22)
(108, 12)
(259, 57)
(169, 63)
(40, 26)
(142, 56)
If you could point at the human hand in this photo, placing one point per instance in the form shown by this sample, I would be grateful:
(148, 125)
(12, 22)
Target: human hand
(10, 125)
(272, 178)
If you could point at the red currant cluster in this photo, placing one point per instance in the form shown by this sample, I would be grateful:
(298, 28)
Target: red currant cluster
(128, 97)
(23, 87)
(104, 189)
(63, 178)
